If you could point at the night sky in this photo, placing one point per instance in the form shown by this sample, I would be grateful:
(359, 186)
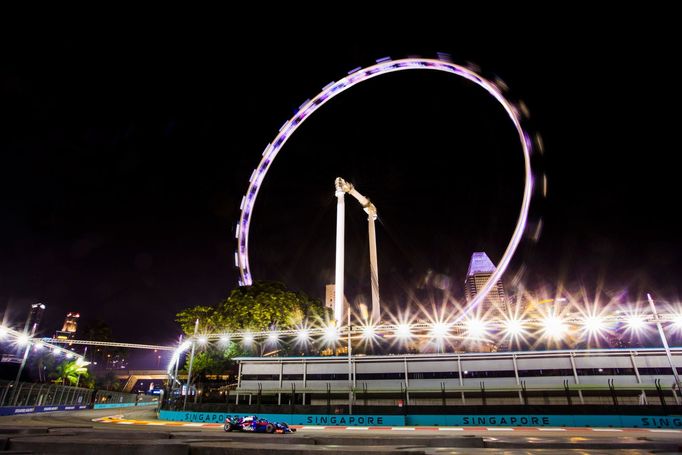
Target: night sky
(125, 155)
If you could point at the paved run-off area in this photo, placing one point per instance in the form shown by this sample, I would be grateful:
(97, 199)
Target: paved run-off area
(138, 431)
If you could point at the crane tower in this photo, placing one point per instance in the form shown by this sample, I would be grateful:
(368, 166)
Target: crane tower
(343, 187)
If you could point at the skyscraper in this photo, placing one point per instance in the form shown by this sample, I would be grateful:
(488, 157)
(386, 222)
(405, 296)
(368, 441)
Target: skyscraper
(329, 296)
(34, 318)
(69, 328)
(480, 270)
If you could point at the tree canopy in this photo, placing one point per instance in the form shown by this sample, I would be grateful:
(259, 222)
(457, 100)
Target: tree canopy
(263, 305)
(73, 373)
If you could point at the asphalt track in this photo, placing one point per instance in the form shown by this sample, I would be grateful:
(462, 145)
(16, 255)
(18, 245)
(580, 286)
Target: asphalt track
(106, 430)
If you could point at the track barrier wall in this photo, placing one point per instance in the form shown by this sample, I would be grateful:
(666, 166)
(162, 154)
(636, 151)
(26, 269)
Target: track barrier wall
(488, 420)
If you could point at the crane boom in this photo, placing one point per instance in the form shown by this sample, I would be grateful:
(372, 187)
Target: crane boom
(342, 187)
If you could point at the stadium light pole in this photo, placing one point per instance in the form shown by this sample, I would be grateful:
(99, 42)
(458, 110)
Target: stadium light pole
(191, 361)
(665, 344)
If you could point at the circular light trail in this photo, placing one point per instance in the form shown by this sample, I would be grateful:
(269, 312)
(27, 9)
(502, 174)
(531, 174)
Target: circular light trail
(356, 76)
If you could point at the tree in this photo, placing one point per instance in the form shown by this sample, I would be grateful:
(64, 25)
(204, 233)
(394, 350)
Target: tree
(214, 360)
(262, 306)
(97, 330)
(109, 381)
(72, 373)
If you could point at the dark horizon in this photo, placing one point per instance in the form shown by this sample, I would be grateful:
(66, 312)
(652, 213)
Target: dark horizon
(125, 159)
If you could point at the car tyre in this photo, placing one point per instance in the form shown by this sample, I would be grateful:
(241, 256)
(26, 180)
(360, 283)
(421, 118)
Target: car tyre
(269, 428)
(228, 427)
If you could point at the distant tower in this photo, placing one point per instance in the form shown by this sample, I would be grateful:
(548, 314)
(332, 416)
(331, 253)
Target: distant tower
(34, 318)
(329, 296)
(480, 270)
(69, 328)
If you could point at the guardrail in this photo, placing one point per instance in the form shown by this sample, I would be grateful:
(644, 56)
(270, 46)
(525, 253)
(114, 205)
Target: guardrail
(43, 394)
(29, 398)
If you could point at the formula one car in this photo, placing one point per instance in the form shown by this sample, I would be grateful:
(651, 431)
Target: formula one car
(255, 425)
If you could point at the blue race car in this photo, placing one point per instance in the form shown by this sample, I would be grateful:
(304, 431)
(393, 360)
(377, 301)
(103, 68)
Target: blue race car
(255, 425)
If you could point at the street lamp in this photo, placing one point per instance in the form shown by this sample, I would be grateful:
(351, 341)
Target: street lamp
(191, 361)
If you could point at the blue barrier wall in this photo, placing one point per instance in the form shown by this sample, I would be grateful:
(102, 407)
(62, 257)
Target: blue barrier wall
(17, 410)
(547, 421)
(122, 405)
(291, 419)
(443, 420)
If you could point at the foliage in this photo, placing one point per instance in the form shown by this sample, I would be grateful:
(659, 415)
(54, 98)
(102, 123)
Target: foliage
(44, 364)
(214, 360)
(97, 330)
(109, 381)
(72, 373)
(261, 306)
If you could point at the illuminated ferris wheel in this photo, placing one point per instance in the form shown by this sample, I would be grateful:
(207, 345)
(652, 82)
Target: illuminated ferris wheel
(516, 113)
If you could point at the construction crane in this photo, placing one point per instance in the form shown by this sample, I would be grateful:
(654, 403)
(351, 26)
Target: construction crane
(343, 187)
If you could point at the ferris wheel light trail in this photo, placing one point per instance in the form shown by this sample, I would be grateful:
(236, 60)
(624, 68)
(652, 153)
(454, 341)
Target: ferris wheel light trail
(358, 75)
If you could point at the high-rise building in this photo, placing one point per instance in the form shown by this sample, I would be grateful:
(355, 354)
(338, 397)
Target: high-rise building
(329, 296)
(480, 270)
(69, 328)
(34, 318)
